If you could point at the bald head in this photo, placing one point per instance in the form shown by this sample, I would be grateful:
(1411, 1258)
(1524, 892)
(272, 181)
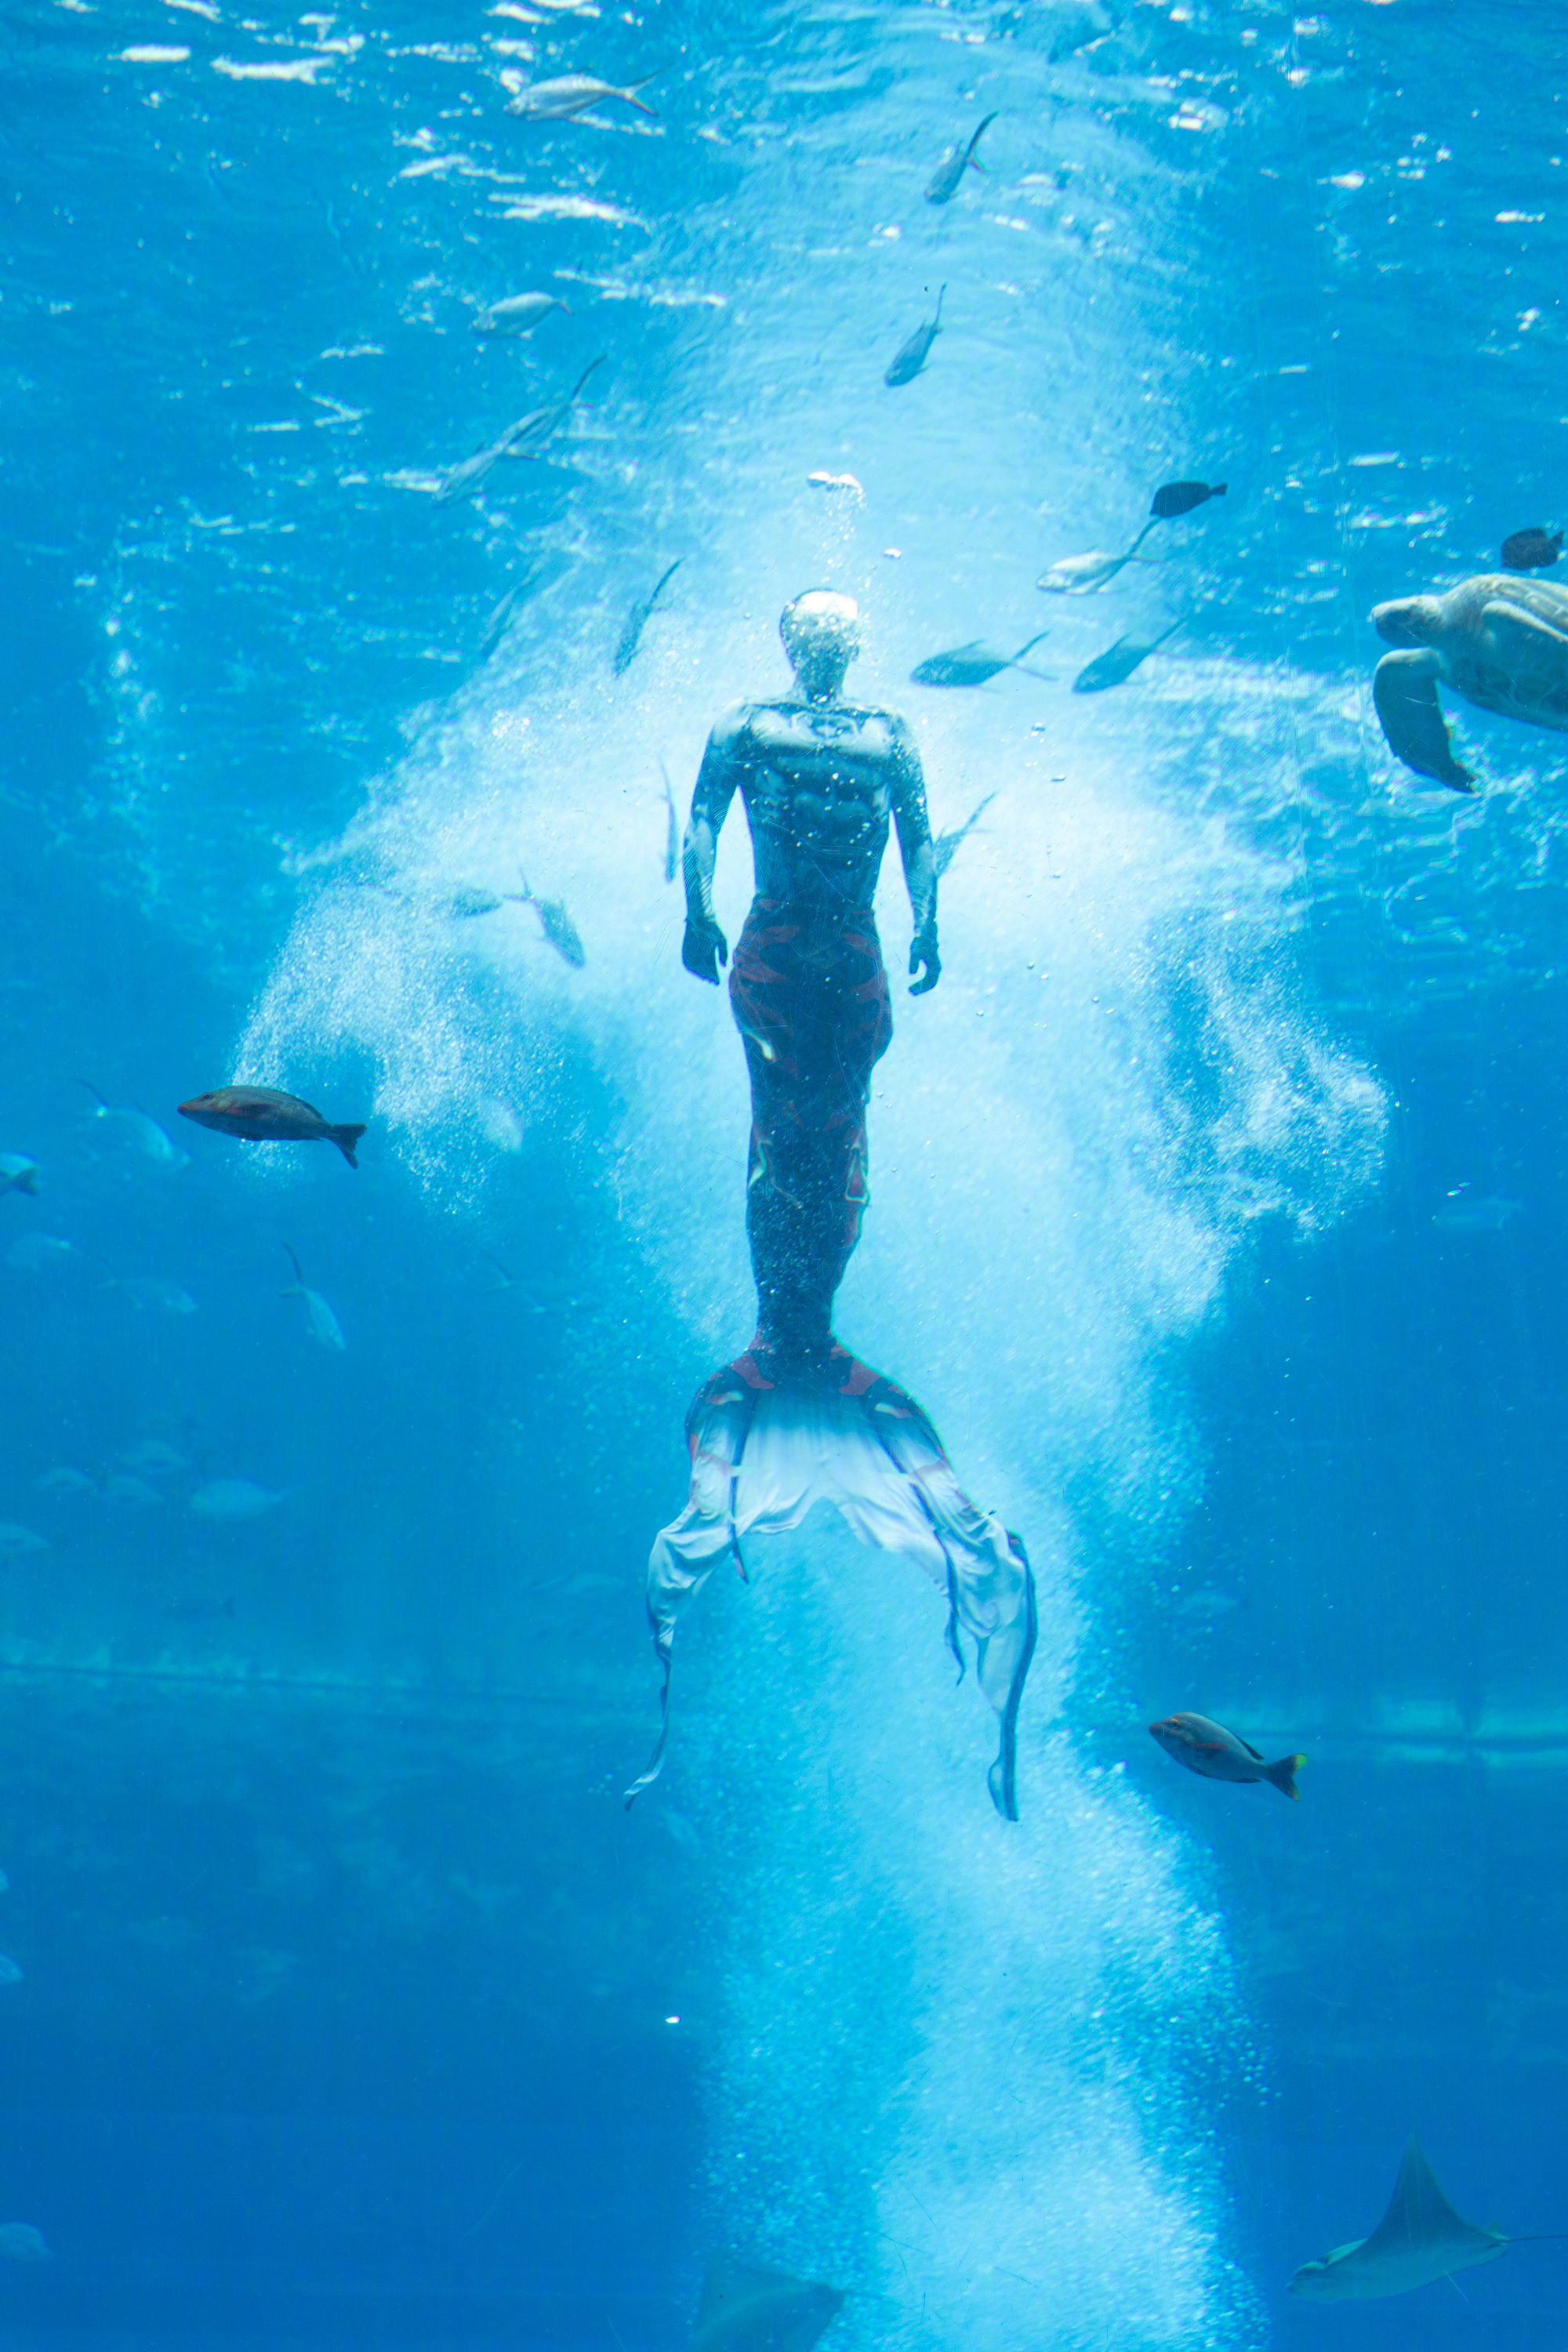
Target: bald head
(821, 633)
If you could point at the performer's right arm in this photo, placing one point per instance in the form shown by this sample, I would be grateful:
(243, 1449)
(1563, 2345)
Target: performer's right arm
(705, 948)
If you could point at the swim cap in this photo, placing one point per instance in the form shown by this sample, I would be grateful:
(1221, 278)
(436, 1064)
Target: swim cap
(820, 622)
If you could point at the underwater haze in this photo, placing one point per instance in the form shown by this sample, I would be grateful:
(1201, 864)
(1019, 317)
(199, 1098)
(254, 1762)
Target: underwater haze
(1217, 1191)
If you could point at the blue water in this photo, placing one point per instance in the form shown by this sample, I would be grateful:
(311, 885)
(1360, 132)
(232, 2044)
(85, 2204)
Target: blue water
(354, 2004)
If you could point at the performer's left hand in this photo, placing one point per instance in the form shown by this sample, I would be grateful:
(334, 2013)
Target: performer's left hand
(923, 950)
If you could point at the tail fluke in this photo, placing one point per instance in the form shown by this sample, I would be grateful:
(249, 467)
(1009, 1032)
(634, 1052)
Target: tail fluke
(871, 1451)
(1281, 1775)
(346, 1137)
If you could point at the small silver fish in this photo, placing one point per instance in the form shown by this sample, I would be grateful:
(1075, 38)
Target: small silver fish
(672, 829)
(154, 1459)
(16, 1540)
(970, 665)
(1080, 575)
(1475, 1213)
(944, 182)
(948, 845)
(140, 1133)
(519, 314)
(37, 1252)
(1218, 1755)
(121, 1488)
(236, 1498)
(319, 1320)
(911, 358)
(63, 1480)
(556, 924)
(637, 621)
(570, 94)
(17, 1172)
(523, 438)
(154, 1294)
(1116, 664)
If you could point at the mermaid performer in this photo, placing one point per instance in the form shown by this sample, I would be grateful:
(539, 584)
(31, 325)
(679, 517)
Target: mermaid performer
(797, 1419)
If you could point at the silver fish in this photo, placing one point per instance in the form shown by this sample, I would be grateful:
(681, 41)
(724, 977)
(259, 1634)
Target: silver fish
(523, 438)
(948, 845)
(519, 314)
(970, 665)
(1079, 575)
(1116, 664)
(944, 182)
(140, 1133)
(1475, 1213)
(570, 94)
(556, 924)
(637, 621)
(16, 1540)
(319, 1320)
(37, 1252)
(912, 357)
(236, 1498)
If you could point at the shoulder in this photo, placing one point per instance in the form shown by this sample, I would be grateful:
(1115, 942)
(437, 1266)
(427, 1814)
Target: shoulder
(731, 731)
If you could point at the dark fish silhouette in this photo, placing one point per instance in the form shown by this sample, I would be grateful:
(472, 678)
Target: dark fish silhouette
(958, 160)
(637, 621)
(913, 355)
(263, 1115)
(557, 926)
(1532, 549)
(946, 847)
(1116, 664)
(970, 665)
(1180, 497)
(745, 2309)
(1209, 1749)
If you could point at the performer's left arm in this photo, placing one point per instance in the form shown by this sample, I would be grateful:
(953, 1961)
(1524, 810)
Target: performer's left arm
(908, 793)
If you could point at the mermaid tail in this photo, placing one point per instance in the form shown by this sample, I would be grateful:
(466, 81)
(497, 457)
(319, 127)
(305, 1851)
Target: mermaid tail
(768, 1439)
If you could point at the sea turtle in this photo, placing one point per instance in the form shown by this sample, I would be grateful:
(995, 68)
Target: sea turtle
(1499, 640)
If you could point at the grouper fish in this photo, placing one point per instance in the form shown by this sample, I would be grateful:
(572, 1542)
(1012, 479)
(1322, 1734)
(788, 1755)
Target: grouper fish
(263, 1115)
(1218, 1755)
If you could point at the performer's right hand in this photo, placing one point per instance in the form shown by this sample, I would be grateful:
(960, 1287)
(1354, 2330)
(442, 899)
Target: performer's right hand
(703, 950)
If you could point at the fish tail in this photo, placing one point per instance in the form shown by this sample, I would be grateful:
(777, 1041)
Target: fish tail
(345, 1136)
(27, 1183)
(582, 379)
(100, 1100)
(1219, 489)
(299, 1272)
(1038, 639)
(665, 582)
(971, 158)
(1281, 1775)
(939, 299)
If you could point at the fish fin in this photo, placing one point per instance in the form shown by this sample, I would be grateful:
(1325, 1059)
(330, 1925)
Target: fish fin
(299, 1270)
(641, 83)
(941, 297)
(1038, 639)
(1256, 1753)
(1218, 489)
(27, 1183)
(345, 1136)
(100, 1100)
(588, 371)
(1281, 1775)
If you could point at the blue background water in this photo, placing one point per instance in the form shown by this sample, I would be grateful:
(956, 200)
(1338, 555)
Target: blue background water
(347, 1979)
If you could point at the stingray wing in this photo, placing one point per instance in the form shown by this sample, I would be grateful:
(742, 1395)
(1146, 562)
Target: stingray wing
(1404, 689)
(745, 2309)
(1420, 2237)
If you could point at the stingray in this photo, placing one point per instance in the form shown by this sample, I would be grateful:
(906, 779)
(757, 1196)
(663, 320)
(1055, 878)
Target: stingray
(1419, 2239)
(747, 2310)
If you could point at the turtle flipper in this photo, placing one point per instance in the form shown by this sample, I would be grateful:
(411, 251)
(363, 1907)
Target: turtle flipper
(1404, 689)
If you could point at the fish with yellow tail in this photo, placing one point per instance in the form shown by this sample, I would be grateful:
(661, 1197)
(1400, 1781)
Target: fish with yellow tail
(1209, 1749)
